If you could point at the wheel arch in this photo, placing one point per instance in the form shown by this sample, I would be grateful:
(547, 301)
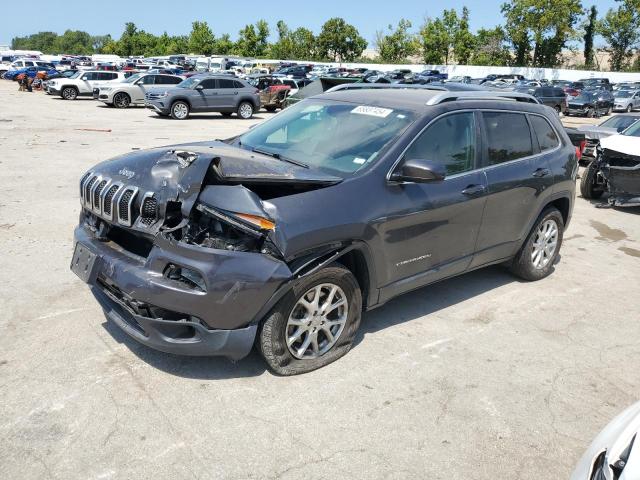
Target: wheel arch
(180, 99)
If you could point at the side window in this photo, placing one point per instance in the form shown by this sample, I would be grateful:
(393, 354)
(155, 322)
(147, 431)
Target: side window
(208, 84)
(450, 140)
(508, 137)
(171, 80)
(105, 76)
(149, 80)
(547, 138)
(225, 83)
(237, 84)
(90, 76)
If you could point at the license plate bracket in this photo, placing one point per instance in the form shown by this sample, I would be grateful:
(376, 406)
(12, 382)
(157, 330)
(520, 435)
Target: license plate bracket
(84, 263)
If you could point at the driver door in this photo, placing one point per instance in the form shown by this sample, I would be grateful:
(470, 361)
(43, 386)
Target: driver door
(433, 231)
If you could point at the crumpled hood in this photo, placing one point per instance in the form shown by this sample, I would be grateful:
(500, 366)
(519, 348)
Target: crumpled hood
(596, 132)
(178, 173)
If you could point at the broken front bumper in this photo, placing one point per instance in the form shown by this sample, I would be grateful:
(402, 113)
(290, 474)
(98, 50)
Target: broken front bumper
(175, 317)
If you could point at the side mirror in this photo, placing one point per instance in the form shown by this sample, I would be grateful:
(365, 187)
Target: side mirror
(419, 171)
(199, 87)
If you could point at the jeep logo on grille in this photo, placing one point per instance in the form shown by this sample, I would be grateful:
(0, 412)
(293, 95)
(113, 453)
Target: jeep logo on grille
(126, 173)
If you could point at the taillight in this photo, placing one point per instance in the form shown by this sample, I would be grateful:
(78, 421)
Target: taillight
(583, 145)
(578, 153)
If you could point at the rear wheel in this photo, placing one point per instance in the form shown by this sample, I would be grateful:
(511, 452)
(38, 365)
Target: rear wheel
(608, 111)
(591, 185)
(535, 259)
(314, 324)
(179, 110)
(245, 110)
(121, 100)
(629, 108)
(69, 93)
(270, 108)
(590, 112)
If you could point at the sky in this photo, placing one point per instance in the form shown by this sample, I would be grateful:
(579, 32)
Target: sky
(229, 16)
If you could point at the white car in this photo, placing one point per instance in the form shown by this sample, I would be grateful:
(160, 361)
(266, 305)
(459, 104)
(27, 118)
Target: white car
(82, 83)
(133, 89)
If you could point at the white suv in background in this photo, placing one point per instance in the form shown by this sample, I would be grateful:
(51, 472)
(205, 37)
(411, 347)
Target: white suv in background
(82, 83)
(133, 89)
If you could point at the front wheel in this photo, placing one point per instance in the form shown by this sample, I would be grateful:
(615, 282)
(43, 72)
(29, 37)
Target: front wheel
(245, 110)
(270, 108)
(590, 113)
(179, 110)
(608, 112)
(629, 108)
(121, 100)
(69, 93)
(590, 185)
(535, 259)
(314, 324)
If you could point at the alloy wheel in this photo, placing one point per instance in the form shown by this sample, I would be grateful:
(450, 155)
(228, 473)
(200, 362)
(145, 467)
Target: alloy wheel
(246, 110)
(121, 100)
(544, 244)
(317, 321)
(180, 111)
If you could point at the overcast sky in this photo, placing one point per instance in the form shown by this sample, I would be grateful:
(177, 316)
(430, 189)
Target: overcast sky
(226, 16)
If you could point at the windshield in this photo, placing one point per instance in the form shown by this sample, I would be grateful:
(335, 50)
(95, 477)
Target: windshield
(633, 130)
(76, 75)
(133, 78)
(188, 83)
(339, 138)
(623, 94)
(584, 97)
(619, 122)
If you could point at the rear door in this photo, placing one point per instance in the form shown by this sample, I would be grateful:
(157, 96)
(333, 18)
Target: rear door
(227, 93)
(517, 175)
(433, 233)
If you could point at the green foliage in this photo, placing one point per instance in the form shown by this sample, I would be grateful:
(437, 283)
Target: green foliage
(398, 44)
(464, 42)
(548, 23)
(224, 45)
(435, 42)
(201, 38)
(253, 40)
(589, 34)
(491, 48)
(621, 29)
(298, 44)
(448, 37)
(340, 41)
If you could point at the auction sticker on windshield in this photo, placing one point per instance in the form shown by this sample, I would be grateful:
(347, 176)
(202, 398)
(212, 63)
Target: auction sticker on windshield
(372, 111)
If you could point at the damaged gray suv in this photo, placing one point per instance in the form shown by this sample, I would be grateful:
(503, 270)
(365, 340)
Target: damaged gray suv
(283, 236)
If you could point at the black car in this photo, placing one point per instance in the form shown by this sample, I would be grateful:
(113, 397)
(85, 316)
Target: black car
(285, 235)
(602, 83)
(591, 103)
(553, 97)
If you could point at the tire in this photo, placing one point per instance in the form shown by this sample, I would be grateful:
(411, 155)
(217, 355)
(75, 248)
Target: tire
(245, 110)
(525, 264)
(270, 108)
(608, 112)
(629, 108)
(589, 189)
(179, 110)
(121, 100)
(590, 113)
(275, 329)
(69, 93)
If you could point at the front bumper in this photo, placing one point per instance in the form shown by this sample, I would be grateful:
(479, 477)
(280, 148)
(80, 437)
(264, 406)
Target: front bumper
(52, 90)
(157, 105)
(175, 317)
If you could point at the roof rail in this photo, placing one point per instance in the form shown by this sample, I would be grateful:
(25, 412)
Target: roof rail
(445, 95)
(396, 86)
(450, 96)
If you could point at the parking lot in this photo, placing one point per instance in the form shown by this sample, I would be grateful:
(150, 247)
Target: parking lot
(478, 377)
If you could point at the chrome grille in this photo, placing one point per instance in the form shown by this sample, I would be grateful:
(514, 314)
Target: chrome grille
(108, 200)
(87, 190)
(95, 196)
(124, 205)
(148, 210)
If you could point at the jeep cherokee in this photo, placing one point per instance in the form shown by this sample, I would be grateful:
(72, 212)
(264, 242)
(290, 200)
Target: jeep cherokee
(285, 235)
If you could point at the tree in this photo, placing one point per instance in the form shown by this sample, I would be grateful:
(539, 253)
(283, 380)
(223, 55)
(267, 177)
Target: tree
(620, 28)
(399, 44)
(463, 39)
(435, 42)
(339, 40)
(253, 40)
(298, 44)
(224, 45)
(201, 39)
(548, 23)
(589, 33)
(491, 47)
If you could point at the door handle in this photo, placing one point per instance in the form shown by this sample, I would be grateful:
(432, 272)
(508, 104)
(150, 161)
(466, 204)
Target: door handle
(473, 190)
(541, 172)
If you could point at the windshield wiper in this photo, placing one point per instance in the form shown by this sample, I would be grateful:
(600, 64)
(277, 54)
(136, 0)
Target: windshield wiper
(280, 157)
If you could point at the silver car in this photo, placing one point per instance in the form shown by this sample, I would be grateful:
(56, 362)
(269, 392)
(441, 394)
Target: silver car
(626, 100)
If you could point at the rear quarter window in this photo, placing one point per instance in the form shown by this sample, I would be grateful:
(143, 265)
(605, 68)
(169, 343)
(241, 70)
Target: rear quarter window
(508, 137)
(544, 132)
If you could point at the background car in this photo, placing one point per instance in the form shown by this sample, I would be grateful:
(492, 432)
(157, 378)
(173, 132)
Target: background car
(626, 100)
(591, 103)
(611, 126)
(82, 83)
(205, 93)
(553, 97)
(132, 91)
